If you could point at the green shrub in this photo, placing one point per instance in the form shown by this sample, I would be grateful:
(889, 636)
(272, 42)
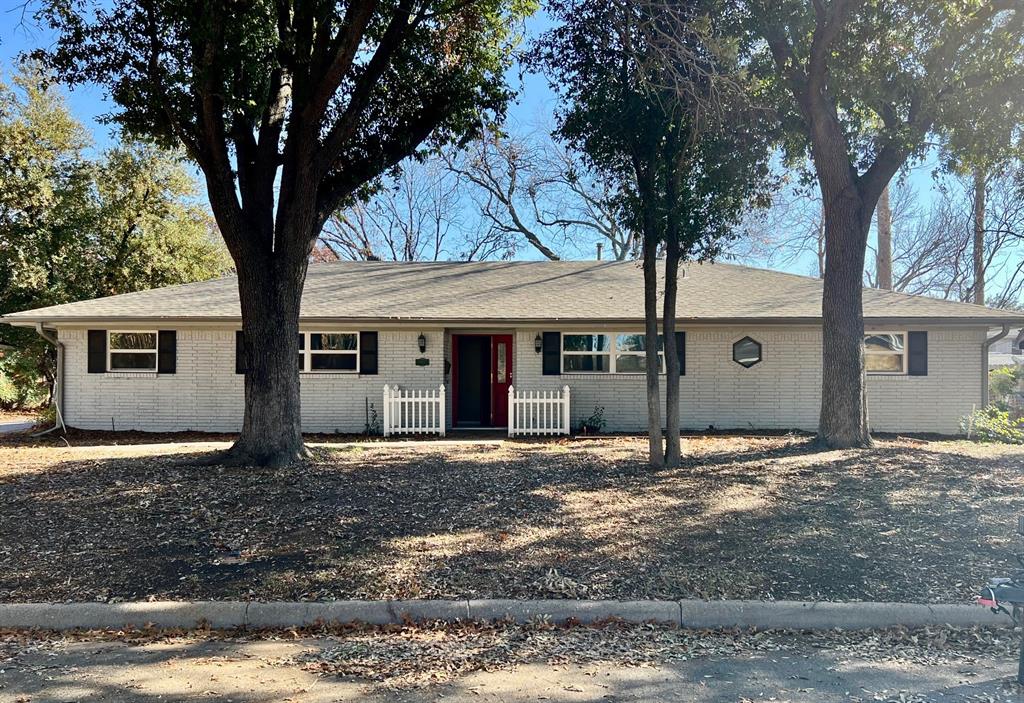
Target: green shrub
(22, 386)
(993, 425)
(1002, 382)
(47, 416)
(595, 423)
(8, 391)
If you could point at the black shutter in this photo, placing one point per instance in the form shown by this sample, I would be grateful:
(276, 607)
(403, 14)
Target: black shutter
(368, 353)
(97, 351)
(681, 352)
(552, 353)
(917, 354)
(239, 352)
(167, 351)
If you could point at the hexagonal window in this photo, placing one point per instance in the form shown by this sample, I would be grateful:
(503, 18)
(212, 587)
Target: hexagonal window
(746, 352)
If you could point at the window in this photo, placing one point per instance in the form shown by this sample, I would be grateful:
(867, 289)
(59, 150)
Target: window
(607, 353)
(885, 352)
(746, 352)
(631, 353)
(586, 353)
(131, 351)
(329, 351)
(502, 371)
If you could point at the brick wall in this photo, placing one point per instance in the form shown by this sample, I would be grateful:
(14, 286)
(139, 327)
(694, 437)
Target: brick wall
(206, 393)
(780, 392)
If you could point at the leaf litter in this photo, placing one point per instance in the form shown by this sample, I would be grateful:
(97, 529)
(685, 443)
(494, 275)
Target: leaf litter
(744, 517)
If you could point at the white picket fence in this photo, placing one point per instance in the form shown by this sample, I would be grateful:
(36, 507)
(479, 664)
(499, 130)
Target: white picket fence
(413, 412)
(538, 412)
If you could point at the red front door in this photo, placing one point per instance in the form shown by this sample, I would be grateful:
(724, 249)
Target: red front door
(501, 378)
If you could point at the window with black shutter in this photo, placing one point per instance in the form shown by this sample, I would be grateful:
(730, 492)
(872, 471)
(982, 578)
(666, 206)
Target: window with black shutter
(917, 353)
(167, 352)
(97, 351)
(368, 353)
(551, 351)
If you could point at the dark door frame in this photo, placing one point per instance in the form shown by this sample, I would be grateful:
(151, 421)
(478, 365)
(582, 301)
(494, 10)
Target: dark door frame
(490, 373)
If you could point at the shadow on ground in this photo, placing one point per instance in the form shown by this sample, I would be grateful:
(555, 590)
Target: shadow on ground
(261, 671)
(743, 518)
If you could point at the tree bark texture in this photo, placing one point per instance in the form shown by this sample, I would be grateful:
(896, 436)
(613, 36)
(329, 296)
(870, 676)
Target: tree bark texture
(270, 292)
(978, 252)
(843, 421)
(657, 453)
(673, 450)
(883, 259)
(848, 203)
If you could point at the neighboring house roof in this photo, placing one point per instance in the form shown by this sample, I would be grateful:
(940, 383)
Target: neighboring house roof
(481, 292)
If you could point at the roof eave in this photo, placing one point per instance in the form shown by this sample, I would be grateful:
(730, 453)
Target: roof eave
(979, 321)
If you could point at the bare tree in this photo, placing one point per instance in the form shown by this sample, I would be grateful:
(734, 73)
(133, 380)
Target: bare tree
(484, 202)
(531, 189)
(788, 232)
(414, 216)
(943, 249)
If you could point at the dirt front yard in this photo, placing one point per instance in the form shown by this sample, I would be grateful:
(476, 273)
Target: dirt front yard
(743, 518)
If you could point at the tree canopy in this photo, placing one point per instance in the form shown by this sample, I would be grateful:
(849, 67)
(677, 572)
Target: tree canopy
(860, 85)
(674, 135)
(291, 110)
(78, 226)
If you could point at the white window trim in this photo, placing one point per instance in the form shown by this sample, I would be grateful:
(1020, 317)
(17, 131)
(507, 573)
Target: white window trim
(612, 352)
(905, 353)
(307, 353)
(155, 351)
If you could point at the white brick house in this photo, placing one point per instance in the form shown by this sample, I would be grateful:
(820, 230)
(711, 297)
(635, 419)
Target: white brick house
(165, 359)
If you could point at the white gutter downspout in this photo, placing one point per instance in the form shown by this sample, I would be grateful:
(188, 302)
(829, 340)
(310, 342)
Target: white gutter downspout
(58, 391)
(989, 341)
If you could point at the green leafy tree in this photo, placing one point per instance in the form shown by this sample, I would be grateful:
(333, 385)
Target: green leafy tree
(653, 124)
(74, 227)
(861, 84)
(290, 109)
(151, 230)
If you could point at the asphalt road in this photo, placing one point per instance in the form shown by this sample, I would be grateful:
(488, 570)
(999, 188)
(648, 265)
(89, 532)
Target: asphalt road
(261, 671)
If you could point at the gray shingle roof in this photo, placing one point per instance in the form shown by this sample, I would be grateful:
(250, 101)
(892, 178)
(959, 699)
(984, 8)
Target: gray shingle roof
(516, 292)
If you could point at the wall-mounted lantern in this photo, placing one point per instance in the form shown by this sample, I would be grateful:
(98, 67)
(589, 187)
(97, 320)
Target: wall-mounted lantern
(538, 343)
(422, 341)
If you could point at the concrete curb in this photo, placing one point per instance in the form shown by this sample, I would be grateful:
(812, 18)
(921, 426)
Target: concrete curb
(800, 615)
(69, 616)
(688, 613)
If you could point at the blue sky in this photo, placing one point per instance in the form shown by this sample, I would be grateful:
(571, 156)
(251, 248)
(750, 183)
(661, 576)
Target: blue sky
(18, 34)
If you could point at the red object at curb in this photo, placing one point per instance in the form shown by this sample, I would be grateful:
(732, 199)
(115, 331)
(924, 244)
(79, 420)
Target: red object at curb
(987, 602)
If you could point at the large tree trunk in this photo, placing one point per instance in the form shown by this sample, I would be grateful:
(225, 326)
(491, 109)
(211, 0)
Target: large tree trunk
(844, 410)
(657, 454)
(978, 253)
(673, 450)
(883, 260)
(820, 242)
(270, 292)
